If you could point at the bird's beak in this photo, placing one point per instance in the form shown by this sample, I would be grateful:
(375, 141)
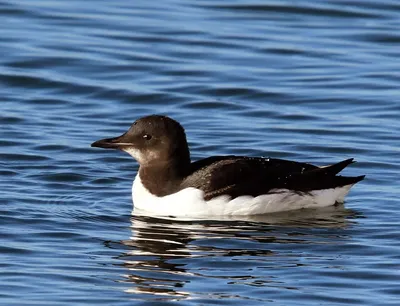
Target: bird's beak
(111, 143)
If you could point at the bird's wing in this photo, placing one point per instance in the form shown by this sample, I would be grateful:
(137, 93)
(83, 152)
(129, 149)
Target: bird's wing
(235, 176)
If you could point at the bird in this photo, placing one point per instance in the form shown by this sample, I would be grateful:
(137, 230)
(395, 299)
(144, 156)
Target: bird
(168, 183)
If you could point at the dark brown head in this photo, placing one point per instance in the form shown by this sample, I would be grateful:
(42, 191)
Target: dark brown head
(152, 140)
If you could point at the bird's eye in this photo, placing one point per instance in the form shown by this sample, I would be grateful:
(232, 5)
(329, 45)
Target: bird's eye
(147, 136)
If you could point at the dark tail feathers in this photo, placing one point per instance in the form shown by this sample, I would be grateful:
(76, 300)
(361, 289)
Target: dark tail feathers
(326, 177)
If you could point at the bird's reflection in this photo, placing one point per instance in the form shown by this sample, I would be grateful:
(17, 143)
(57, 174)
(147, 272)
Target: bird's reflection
(164, 255)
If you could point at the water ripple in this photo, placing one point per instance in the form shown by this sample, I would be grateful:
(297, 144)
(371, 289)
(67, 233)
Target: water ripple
(315, 82)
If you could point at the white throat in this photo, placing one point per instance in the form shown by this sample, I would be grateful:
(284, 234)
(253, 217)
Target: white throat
(135, 153)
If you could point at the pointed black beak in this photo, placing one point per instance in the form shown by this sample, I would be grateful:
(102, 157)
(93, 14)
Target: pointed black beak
(111, 143)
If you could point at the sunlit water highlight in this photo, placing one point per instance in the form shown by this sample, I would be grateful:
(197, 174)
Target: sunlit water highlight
(310, 81)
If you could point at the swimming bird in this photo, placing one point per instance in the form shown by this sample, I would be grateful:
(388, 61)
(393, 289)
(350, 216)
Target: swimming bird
(169, 184)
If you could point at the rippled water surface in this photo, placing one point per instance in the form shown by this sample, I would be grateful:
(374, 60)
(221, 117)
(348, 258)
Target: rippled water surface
(314, 81)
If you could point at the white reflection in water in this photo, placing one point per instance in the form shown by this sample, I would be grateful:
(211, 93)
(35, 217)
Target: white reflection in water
(165, 255)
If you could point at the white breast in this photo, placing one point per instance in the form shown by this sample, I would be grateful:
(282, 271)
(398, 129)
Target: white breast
(190, 202)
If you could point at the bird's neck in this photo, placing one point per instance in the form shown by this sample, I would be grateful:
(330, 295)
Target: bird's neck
(164, 178)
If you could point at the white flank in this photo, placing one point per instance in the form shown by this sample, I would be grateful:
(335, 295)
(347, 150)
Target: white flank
(190, 202)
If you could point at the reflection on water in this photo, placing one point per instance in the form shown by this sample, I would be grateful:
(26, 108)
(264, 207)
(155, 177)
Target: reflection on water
(244, 252)
(313, 81)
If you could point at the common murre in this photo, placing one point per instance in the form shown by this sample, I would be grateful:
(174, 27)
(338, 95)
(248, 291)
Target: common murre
(168, 183)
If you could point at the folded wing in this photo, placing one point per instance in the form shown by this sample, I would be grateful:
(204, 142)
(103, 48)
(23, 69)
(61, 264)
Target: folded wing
(235, 176)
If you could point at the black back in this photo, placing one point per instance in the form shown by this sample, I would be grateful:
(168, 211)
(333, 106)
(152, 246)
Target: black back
(236, 176)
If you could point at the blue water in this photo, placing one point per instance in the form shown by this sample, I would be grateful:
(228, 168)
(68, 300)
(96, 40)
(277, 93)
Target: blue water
(309, 81)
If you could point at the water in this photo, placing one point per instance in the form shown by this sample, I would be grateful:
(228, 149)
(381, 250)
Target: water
(310, 81)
